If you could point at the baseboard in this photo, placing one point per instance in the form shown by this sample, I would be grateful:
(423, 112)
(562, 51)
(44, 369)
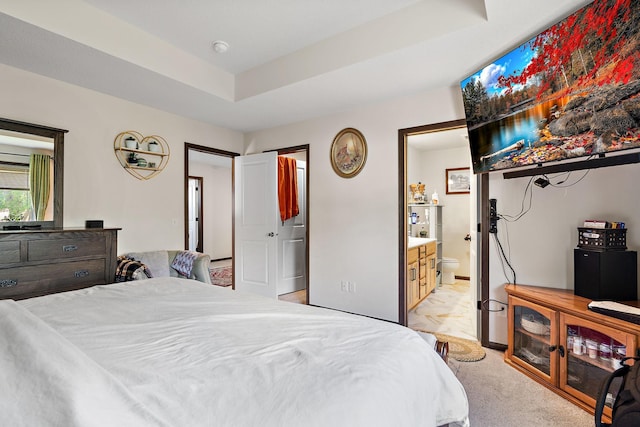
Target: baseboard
(463, 277)
(221, 259)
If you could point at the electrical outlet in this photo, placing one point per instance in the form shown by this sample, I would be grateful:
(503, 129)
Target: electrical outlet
(352, 287)
(344, 286)
(503, 311)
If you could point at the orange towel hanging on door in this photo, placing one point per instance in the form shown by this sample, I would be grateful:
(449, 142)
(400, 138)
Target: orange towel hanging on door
(287, 188)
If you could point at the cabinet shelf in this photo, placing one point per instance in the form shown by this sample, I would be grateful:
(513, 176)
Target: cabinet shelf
(136, 150)
(602, 364)
(546, 339)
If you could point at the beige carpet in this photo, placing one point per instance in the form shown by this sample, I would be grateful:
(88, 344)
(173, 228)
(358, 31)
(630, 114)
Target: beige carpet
(446, 311)
(500, 396)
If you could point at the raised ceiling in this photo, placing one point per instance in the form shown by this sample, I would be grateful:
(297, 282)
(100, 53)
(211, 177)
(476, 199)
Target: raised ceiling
(289, 60)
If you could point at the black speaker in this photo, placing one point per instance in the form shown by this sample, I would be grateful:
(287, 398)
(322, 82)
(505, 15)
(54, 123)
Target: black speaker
(94, 223)
(606, 275)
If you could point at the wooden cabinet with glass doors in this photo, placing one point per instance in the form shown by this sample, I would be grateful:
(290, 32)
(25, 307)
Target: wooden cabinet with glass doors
(556, 340)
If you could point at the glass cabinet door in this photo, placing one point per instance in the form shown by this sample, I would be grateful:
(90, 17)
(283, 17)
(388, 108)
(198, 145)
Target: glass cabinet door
(593, 351)
(534, 338)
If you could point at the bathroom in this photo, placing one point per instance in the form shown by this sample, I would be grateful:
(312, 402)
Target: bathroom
(429, 155)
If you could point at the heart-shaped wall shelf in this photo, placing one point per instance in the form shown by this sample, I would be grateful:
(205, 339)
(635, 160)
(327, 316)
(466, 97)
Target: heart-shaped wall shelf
(142, 156)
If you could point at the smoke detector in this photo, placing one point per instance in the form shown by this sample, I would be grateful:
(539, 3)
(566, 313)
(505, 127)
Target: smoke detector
(220, 46)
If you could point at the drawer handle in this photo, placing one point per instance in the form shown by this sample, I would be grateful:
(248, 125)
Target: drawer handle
(69, 248)
(8, 283)
(81, 273)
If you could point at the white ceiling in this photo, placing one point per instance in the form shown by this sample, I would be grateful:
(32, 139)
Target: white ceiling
(289, 60)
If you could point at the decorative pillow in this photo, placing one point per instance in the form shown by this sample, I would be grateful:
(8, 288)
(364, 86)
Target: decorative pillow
(156, 261)
(183, 262)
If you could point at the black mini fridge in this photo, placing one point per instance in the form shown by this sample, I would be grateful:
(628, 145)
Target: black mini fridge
(606, 275)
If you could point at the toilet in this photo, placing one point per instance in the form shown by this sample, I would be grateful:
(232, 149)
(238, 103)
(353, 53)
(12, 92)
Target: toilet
(449, 267)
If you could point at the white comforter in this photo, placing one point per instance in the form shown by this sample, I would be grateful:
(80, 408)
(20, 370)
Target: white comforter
(175, 352)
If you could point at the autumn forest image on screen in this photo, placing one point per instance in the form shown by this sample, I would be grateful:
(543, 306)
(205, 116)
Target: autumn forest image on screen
(571, 91)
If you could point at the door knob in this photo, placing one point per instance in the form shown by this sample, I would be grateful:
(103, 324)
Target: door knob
(272, 234)
(467, 237)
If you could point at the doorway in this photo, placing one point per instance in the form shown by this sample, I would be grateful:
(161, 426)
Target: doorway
(271, 254)
(208, 207)
(195, 229)
(425, 154)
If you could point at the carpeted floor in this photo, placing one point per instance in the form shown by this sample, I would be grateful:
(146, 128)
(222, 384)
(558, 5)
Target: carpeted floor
(499, 395)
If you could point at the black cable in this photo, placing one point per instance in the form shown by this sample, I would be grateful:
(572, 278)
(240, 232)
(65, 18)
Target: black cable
(504, 258)
(523, 210)
(485, 305)
(557, 185)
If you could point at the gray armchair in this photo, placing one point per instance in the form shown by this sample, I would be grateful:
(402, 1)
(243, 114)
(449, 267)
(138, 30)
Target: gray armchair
(159, 263)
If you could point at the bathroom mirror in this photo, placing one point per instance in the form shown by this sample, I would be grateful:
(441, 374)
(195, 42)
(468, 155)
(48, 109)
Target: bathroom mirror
(18, 141)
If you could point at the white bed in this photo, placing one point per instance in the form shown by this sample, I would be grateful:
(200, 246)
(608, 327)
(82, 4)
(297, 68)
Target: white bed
(176, 352)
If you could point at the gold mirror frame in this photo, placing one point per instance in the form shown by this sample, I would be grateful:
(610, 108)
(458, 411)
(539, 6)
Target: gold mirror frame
(348, 152)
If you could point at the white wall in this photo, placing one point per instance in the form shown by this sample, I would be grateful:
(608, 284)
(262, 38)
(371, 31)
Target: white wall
(217, 201)
(353, 225)
(455, 210)
(150, 213)
(540, 245)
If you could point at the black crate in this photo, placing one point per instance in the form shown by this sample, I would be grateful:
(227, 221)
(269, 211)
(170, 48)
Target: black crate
(602, 239)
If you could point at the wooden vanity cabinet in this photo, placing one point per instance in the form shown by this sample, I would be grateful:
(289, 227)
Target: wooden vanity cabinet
(421, 273)
(556, 340)
(413, 286)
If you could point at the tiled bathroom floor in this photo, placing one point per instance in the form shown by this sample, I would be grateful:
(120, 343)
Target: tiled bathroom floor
(448, 310)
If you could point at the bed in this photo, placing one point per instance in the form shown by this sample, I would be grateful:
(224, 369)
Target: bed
(177, 352)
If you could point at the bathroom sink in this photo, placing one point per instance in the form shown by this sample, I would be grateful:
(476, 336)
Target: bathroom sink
(418, 241)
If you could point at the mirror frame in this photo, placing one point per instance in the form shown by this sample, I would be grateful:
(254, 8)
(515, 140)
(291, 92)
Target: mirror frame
(58, 168)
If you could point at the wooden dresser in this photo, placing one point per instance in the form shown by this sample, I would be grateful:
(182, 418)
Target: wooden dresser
(40, 262)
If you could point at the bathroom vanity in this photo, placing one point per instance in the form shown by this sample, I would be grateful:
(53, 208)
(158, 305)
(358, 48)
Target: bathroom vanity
(421, 269)
(428, 221)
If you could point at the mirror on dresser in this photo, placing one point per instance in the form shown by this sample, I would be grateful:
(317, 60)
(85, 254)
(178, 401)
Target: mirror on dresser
(31, 174)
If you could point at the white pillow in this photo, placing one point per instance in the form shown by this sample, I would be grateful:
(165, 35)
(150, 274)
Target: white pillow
(156, 261)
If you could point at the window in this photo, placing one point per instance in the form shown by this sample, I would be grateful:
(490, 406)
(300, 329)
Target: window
(15, 203)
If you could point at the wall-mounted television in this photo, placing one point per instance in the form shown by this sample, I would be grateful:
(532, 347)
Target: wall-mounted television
(572, 91)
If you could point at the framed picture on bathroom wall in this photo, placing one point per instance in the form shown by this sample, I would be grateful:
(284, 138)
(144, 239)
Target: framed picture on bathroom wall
(458, 181)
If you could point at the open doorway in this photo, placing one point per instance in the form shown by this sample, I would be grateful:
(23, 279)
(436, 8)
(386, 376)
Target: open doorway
(270, 243)
(209, 208)
(195, 230)
(446, 306)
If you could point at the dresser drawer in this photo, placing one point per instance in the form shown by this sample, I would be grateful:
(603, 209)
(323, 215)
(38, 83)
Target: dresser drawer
(9, 252)
(43, 279)
(54, 249)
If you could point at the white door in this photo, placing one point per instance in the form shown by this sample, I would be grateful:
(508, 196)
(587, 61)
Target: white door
(256, 223)
(292, 242)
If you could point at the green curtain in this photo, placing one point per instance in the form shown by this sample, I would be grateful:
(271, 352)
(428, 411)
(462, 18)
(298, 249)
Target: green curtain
(39, 184)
